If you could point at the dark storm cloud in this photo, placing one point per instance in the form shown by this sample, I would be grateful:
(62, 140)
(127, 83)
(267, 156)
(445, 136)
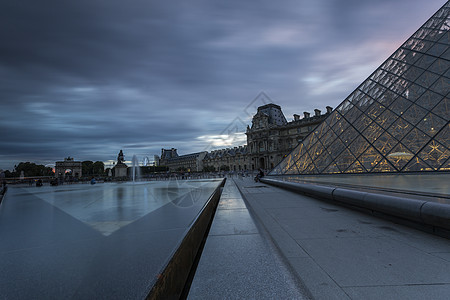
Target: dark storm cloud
(88, 78)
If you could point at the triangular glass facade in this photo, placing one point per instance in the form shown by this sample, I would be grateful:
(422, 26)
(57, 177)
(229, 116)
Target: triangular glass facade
(397, 120)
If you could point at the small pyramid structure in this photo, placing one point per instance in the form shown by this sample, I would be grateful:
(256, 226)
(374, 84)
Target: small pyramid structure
(397, 120)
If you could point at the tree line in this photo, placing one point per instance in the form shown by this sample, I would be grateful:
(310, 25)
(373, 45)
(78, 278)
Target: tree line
(88, 168)
(29, 169)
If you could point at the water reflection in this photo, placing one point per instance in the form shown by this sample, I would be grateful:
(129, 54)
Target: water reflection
(109, 207)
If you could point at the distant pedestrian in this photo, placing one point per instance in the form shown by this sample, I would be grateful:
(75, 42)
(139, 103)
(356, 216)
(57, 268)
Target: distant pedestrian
(259, 175)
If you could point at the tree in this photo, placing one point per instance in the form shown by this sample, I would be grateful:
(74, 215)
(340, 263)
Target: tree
(224, 168)
(209, 169)
(87, 167)
(31, 169)
(98, 168)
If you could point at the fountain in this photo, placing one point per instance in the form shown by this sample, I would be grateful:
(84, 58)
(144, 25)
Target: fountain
(136, 170)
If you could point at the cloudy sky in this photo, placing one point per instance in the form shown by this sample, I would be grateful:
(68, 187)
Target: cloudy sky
(87, 78)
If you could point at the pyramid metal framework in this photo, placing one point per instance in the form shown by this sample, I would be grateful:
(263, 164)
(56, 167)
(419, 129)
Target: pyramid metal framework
(397, 120)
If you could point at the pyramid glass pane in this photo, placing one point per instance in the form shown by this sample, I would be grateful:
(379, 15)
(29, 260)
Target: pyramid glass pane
(385, 143)
(384, 166)
(345, 160)
(332, 169)
(315, 151)
(356, 167)
(416, 165)
(336, 148)
(427, 78)
(430, 124)
(434, 154)
(413, 73)
(441, 85)
(400, 128)
(445, 39)
(415, 140)
(358, 146)
(362, 122)
(414, 114)
(439, 66)
(443, 137)
(386, 119)
(400, 105)
(397, 120)
(429, 99)
(443, 109)
(437, 49)
(445, 166)
(399, 156)
(323, 161)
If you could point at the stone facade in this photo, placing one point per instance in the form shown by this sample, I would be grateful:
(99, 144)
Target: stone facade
(189, 162)
(68, 164)
(270, 138)
(232, 159)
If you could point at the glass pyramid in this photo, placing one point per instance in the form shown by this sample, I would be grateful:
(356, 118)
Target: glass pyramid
(397, 120)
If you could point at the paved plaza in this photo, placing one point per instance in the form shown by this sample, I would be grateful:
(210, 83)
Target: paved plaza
(112, 240)
(339, 253)
(239, 260)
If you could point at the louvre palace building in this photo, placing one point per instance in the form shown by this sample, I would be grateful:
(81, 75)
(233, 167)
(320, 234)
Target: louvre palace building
(270, 138)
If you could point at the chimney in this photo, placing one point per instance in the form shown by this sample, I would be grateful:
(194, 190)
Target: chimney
(296, 117)
(329, 109)
(306, 114)
(317, 112)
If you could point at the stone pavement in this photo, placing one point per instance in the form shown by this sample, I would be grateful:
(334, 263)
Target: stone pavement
(339, 253)
(238, 260)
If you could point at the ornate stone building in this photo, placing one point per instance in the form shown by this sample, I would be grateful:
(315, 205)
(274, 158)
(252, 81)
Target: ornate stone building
(73, 167)
(190, 162)
(233, 159)
(270, 138)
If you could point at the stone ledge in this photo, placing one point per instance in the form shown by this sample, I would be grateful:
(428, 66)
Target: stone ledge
(2, 193)
(175, 275)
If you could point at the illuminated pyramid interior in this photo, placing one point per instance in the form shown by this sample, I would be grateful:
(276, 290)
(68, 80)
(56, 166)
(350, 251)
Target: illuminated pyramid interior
(397, 120)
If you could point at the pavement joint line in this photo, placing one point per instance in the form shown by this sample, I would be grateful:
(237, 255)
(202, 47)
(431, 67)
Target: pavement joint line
(234, 234)
(276, 222)
(289, 258)
(259, 225)
(396, 285)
